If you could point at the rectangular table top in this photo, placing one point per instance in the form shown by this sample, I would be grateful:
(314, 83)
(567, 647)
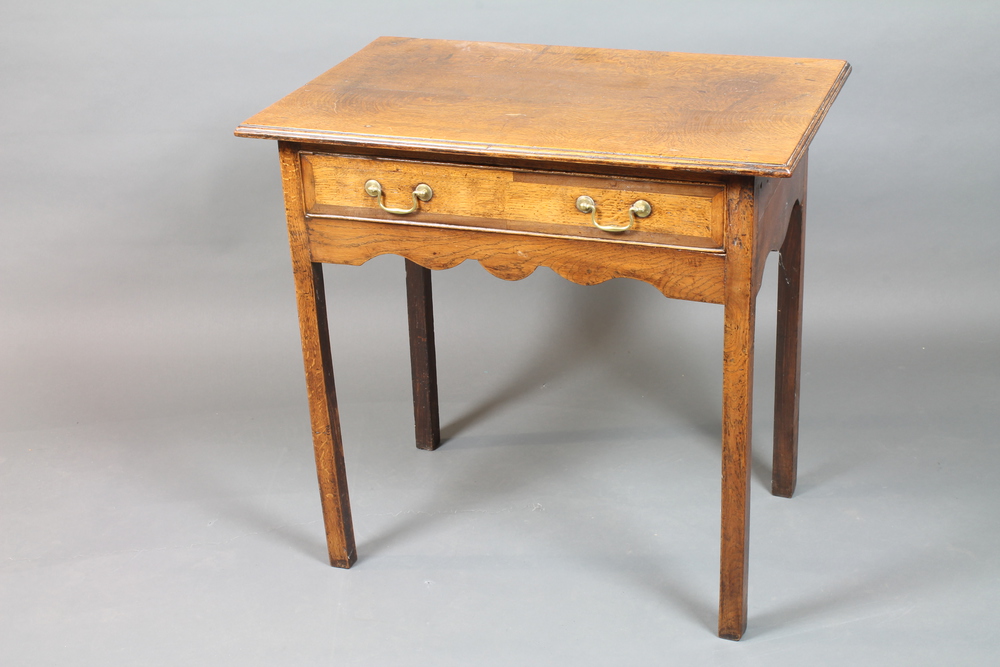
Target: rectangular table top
(616, 108)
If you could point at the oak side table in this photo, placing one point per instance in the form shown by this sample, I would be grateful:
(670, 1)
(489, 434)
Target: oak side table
(680, 170)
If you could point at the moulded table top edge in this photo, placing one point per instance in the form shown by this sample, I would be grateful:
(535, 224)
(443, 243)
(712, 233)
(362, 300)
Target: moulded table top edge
(471, 151)
(663, 106)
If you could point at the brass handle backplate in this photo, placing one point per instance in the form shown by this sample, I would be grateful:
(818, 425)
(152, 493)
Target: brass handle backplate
(421, 193)
(640, 208)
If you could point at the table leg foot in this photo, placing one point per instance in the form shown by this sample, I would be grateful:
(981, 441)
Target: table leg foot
(423, 362)
(788, 357)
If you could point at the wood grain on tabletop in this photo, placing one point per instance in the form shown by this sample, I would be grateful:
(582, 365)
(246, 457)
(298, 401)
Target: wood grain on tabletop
(737, 114)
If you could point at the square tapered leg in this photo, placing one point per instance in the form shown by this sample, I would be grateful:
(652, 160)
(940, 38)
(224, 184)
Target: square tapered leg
(788, 356)
(737, 408)
(327, 444)
(423, 362)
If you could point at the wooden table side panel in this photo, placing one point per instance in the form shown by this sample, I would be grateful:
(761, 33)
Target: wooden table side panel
(773, 210)
(680, 274)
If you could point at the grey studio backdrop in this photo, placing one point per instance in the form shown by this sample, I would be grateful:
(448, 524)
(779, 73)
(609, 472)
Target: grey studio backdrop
(158, 503)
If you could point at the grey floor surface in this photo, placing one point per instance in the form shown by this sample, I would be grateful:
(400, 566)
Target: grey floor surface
(158, 503)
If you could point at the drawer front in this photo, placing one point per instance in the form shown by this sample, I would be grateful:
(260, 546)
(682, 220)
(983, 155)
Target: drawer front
(682, 213)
